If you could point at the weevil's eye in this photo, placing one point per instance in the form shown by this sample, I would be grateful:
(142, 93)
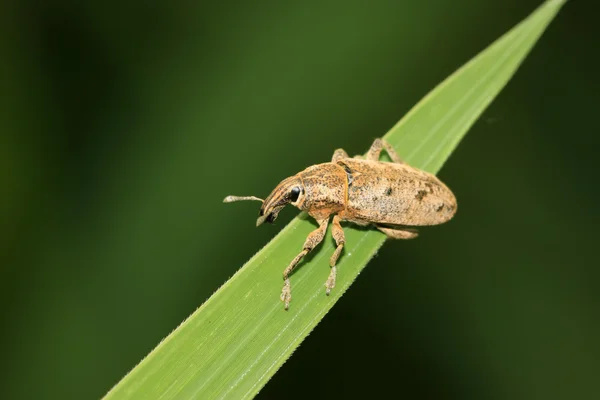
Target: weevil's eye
(271, 218)
(294, 194)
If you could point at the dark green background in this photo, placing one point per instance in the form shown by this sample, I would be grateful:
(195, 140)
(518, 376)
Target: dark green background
(125, 123)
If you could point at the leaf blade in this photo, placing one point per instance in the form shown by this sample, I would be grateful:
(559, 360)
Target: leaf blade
(237, 339)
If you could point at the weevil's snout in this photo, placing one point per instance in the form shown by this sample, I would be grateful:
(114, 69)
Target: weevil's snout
(289, 191)
(268, 213)
(270, 217)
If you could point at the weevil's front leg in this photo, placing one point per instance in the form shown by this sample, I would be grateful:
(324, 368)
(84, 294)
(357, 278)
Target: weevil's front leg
(339, 154)
(313, 239)
(397, 233)
(340, 239)
(380, 144)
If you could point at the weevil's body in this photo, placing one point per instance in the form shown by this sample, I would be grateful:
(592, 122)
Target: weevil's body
(392, 196)
(374, 192)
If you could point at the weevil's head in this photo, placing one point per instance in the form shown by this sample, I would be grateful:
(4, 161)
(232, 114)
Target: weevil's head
(289, 191)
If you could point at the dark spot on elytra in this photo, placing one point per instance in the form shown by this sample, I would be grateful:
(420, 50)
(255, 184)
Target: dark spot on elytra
(388, 192)
(439, 208)
(421, 194)
(348, 174)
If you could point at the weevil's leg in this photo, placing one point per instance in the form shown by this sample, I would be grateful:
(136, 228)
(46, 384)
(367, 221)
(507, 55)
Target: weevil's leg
(313, 239)
(340, 239)
(397, 233)
(339, 154)
(375, 151)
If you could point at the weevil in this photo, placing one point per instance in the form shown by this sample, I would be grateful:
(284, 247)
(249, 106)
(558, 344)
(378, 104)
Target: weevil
(392, 196)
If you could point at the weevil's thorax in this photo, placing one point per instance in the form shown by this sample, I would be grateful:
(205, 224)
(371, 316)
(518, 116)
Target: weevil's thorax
(325, 187)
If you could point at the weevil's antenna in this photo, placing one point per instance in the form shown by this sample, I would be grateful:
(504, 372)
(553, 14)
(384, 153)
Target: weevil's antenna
(231, 199)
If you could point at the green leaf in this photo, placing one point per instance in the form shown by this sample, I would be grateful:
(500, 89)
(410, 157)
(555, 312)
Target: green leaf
(233, 344)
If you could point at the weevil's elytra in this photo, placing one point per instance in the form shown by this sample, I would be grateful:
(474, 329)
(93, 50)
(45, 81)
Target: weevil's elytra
(392, 196)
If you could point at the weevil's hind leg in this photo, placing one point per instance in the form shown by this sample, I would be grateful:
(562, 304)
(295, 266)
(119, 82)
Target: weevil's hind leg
(380, 144)
(339, 154)
(398, 233)
(313, 239)
(340, 239)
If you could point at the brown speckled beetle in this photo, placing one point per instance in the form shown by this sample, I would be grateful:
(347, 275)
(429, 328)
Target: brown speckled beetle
(393, 196)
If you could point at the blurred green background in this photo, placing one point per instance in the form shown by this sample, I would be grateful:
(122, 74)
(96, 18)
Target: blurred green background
(124, 124)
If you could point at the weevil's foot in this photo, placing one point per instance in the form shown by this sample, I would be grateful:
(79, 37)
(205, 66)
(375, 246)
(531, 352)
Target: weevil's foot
(286, 293)
(330, 284)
